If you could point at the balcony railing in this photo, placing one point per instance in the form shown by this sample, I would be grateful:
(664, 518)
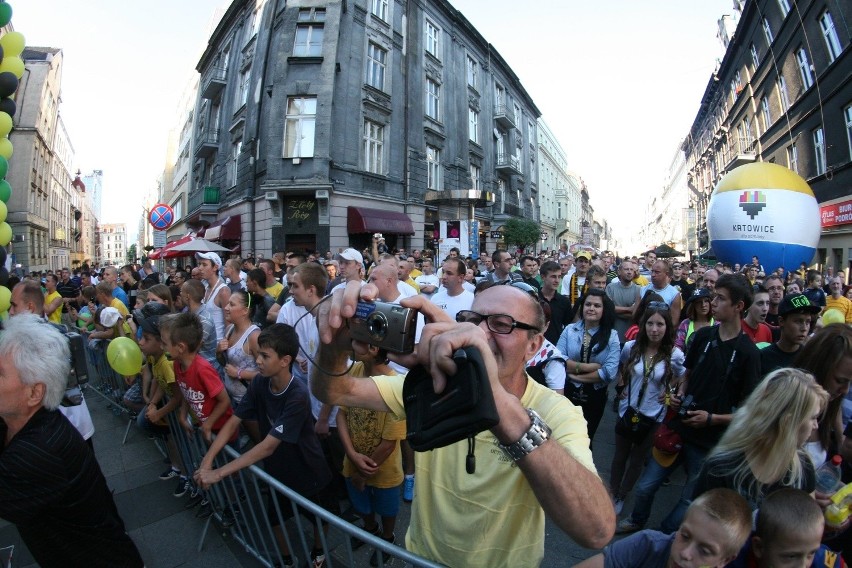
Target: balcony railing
(741, 150)
(504, 116)
(213, 82)
(207, 143)
(508, 163)
(204, 200)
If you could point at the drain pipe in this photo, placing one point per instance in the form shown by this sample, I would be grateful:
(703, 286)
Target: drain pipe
(256, 150)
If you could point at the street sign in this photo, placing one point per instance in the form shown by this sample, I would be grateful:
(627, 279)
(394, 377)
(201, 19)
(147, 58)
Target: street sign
(544, 236)
(496, 235)
(159, 239)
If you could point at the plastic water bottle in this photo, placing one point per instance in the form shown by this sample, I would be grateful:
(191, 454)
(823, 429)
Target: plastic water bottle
(828, 476)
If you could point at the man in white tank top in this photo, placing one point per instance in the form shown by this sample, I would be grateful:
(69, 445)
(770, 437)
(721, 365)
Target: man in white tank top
(218, 293)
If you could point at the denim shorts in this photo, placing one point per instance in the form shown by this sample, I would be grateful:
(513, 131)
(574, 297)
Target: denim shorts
(381, 501)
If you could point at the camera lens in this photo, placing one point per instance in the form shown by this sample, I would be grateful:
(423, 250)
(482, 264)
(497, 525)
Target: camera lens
(377, 324)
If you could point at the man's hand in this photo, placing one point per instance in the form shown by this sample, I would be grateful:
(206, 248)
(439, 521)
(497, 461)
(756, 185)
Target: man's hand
(152, 414)
(696, 418)
(207, 477)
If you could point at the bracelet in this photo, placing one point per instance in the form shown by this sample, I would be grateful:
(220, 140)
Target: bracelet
(709, 417)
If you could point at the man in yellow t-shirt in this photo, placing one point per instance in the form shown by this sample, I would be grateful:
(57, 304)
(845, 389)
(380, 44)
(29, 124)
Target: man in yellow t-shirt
(837, 301)
(52, 300)
(535, 461)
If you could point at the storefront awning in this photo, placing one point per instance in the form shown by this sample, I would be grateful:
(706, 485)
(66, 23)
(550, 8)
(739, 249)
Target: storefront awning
(366, 220)
(227, 229)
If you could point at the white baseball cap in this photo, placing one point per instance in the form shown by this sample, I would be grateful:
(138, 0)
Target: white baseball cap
(351, 254)
(211, 256)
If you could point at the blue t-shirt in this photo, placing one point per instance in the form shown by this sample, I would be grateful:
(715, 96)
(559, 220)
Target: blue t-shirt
(644, 549)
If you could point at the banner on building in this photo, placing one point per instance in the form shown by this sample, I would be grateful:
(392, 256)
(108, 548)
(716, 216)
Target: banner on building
(462, 234)
(836, 214)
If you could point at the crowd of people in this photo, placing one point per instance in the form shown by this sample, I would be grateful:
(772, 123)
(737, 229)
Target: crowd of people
(728, 371)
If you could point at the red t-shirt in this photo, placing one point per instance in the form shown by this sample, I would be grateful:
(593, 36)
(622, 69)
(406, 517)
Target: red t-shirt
(200, 384)
(762, 334)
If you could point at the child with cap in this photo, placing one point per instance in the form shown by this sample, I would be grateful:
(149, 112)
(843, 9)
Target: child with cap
(788, 534)
(794, 322)
(159, 390)
(714, 529)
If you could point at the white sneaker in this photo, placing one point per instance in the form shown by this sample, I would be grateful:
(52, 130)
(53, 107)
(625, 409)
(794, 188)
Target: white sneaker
(618, 504)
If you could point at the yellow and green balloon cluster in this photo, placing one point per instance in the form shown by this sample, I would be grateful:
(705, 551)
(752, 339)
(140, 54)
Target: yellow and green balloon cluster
(11, 70)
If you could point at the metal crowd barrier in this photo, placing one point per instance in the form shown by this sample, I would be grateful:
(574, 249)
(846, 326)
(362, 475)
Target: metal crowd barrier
(106, 383)
(240, 502)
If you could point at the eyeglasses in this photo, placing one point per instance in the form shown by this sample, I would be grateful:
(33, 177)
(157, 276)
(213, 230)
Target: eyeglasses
(498, 323)
(662, 306)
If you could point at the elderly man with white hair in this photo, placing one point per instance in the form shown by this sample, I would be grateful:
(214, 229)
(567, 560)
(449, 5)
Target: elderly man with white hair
(51, 486)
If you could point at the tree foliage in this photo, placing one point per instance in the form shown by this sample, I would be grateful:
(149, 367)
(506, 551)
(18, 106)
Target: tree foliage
(521, 232)
(131, 253)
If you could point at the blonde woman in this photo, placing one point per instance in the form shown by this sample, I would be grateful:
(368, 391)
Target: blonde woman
(763, 448)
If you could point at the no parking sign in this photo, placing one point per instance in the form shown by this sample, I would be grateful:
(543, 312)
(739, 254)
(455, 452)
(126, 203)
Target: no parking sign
(161, 216)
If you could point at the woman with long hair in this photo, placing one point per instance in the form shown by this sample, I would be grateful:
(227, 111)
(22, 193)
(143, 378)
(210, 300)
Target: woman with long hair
(697, 315)
(763, 448)
(592, 349)
(238, 349)
(828, 356)
(650, 364)
(649, 297)
(161, 294)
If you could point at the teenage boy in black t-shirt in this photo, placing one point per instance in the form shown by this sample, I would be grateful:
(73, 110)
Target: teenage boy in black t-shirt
(794, 319)
(290, 448)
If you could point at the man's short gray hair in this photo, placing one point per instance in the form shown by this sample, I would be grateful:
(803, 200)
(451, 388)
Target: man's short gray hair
(40, 354)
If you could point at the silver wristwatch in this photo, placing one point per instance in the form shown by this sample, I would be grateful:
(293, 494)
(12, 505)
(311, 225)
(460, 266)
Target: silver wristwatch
(538, 433)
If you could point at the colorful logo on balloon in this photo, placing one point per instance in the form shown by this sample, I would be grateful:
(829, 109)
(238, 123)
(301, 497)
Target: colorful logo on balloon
(752, 202)
(161, 216)
(764, 210)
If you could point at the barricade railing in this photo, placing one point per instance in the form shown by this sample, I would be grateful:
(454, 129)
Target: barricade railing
(243, 505)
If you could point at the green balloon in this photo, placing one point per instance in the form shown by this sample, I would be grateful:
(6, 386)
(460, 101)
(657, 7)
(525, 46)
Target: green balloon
(5, 191)
(4, 167)
(5, 13)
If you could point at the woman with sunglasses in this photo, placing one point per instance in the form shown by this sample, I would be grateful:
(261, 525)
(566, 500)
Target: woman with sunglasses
(592, 349)
(649, 365)
(237, 351)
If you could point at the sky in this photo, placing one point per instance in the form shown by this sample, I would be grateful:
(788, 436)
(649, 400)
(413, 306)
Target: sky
(618, 83)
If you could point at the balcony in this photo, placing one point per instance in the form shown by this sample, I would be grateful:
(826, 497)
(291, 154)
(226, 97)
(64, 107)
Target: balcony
(504, 116)
(741, 151)
(207, 144)
(203, 205)
(213, 82)
(460, 197)
(508, 163)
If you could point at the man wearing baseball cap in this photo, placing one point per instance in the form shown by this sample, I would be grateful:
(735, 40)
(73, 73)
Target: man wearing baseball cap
(794, 321)
(218, 293)
(351, 266)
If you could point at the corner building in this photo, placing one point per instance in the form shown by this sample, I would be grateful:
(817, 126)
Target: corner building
(782, 94)
(320, 123)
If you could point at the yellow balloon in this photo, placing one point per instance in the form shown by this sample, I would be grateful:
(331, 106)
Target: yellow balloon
(5, 235)
(4, 211)
(5, 121)
(124, 356)
(833, 316)
(6, 148)
(13, 65)
(13, 44)
(5, 298)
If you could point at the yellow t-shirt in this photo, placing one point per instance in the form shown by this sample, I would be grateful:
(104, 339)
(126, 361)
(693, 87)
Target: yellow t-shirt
(367, 428)
(640, 280)
(491, 518)
(119, 305)
(275, 289)
(56, 316)
(413, 284)
(841, 304)
(163, 371)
